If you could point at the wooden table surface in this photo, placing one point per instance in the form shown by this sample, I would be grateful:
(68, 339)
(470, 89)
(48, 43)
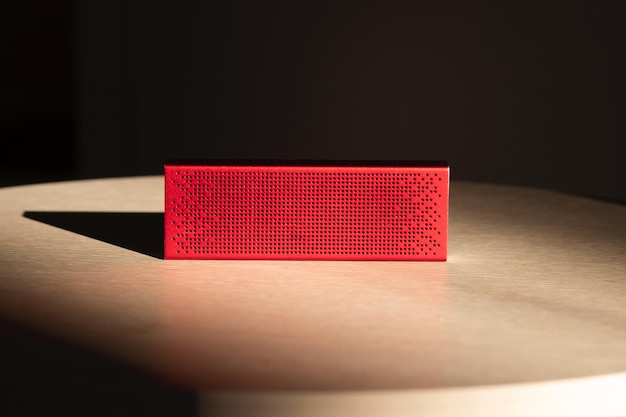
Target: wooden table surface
(528, 315)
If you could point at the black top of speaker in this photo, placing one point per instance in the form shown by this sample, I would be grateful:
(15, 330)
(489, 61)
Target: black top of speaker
(305, 162)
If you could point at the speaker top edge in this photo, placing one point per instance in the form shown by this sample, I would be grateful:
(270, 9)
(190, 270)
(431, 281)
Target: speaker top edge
(306, 163)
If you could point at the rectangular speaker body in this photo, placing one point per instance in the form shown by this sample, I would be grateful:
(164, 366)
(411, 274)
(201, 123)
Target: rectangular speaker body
(323, 210)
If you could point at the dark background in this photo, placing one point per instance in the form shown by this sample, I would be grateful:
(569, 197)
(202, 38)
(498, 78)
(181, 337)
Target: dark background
(525, 93)
(510, 92)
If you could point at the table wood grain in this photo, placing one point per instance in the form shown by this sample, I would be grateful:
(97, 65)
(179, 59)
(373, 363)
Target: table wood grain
(527, 315)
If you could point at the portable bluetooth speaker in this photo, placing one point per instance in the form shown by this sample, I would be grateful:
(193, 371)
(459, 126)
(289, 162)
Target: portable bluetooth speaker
(350, 210)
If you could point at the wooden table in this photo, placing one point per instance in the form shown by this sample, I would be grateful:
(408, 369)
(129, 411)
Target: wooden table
(527, 317)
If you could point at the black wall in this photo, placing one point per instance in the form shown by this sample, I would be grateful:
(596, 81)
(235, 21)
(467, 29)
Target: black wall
(512, 92)
(36, 84)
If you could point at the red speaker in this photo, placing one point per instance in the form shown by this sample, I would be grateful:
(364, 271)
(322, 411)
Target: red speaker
(331, 210)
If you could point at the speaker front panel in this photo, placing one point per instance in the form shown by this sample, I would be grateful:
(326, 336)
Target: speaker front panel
(306, 212)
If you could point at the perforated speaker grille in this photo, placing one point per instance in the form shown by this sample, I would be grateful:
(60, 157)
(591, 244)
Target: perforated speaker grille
(306, 212)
